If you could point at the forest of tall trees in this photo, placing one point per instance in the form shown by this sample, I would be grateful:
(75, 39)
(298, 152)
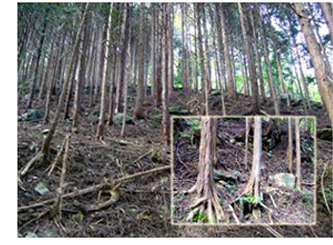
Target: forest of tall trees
(97, 84)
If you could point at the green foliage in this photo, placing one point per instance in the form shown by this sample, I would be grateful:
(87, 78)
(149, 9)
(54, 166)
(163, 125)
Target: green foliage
(195, 125)
(175, 207)
(200, 217)
(249, 199)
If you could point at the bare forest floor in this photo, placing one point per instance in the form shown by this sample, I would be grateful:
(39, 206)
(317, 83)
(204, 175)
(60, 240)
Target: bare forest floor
(289, 206)
(143, 209)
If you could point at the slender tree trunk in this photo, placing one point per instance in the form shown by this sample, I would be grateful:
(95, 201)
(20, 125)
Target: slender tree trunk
(301, 73)
(165, 54)
(170, 50)
(195, 52)
(268, 66)
(205, 37)
(217, 57)
(152, 50)
(258, 58)
(278, 61)
(290, 146)
(98, 64)
(328, 15)
(253, 186)
(252, 70)
(112, 83)
(247, 131)
(121, 68)
(127, 62)
(72, 71)
(36, 76)
(184, 51)
(323, 74)
(94, 66)
(231, 92)
(233, 67)
(138, 111)
(146, 65)
(49, 82)
(100, 126)
(204, 82)
(81, 76)
(298, 154)
(47, 142)
(49, 67)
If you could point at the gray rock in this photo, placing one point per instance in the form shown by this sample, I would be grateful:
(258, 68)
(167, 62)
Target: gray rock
(118, 119)
(30, 115)
(284, 180)
(42, 189)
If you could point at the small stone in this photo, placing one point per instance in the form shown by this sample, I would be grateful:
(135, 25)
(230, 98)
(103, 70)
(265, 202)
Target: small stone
(284, 180)
(41, 189)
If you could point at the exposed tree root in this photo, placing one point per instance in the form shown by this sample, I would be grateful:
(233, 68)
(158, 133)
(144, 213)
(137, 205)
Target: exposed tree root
(323, 188)
(114, 197)
(254, 207)
(93, 188)
(234, 215)
(206, 209)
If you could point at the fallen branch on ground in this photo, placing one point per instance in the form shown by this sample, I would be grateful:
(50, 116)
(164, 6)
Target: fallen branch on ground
(36, 158)
(93, 188)
(58, 159)
(323, 188)
(57, 204)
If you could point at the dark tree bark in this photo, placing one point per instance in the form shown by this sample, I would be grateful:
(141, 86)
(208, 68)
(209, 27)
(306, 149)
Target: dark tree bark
(290, 146)
(127, 46)
(36, 75)
(81, 75)
(165, 54)
(138, 111)
(298, 154)
(152, 50)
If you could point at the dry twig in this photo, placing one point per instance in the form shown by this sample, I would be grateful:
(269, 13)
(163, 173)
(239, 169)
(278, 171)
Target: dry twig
(93, 188)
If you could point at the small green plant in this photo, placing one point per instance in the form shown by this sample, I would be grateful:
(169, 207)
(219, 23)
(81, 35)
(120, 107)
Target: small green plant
(175, 207)
(201, 217)
(249, 199)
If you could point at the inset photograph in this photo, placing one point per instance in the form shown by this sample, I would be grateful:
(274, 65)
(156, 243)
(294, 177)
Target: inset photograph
(244, 170)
